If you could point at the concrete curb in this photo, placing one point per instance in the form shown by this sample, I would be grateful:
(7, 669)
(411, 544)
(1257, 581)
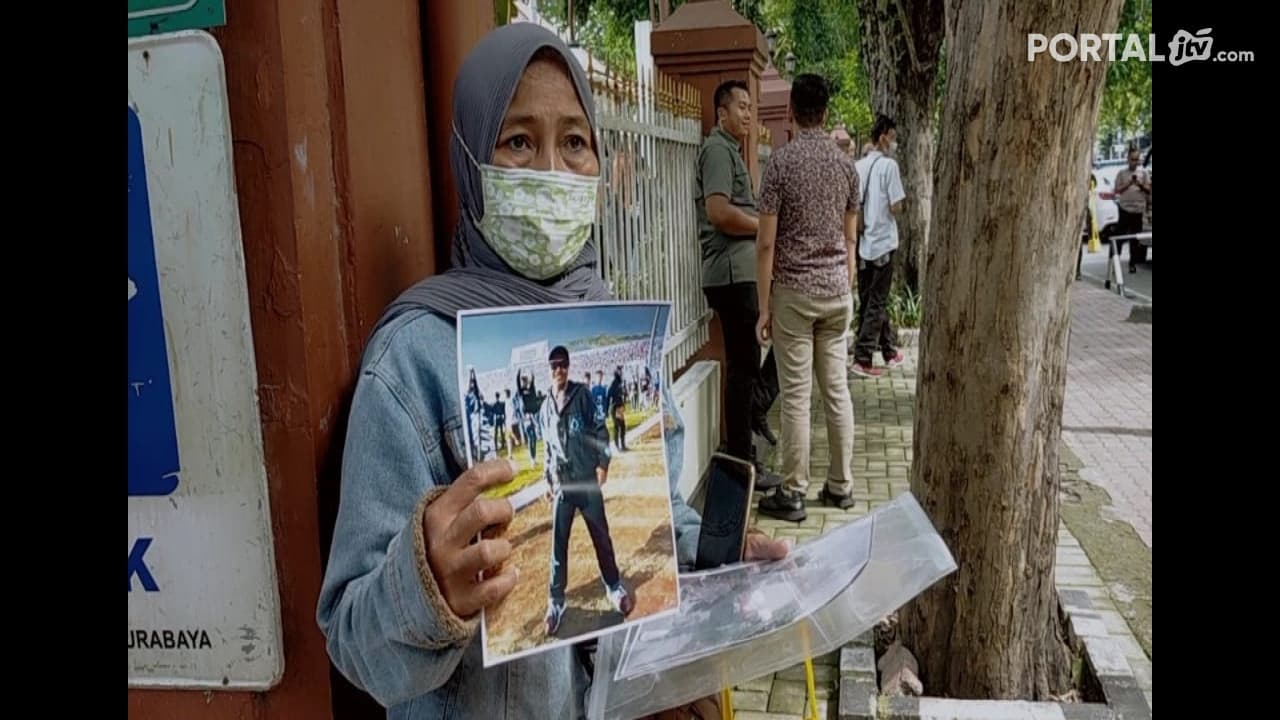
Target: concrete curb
(1105, 657)
(859, 691)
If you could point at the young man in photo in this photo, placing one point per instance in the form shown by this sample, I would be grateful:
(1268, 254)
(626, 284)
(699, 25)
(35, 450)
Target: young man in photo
(576, 467)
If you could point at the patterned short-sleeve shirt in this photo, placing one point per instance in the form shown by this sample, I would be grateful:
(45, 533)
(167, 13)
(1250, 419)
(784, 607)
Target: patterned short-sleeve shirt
(810, 185)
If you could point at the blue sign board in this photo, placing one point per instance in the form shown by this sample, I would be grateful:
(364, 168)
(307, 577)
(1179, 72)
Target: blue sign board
(153, 434)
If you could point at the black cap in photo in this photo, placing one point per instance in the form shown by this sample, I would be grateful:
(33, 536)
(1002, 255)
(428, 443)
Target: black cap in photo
(559, 352)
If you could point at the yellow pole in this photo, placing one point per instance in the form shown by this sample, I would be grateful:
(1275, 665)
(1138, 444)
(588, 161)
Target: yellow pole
(808, 671)
(813, 692)
(1093, 216)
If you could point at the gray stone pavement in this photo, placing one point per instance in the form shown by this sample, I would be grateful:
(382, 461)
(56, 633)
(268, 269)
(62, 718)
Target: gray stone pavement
(1106, 419)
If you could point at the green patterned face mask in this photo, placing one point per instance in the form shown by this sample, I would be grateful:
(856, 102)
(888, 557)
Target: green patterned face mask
(537, 221)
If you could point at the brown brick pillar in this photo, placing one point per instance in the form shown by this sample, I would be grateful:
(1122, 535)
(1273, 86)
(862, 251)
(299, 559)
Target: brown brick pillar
(704, 43)
(775, 97)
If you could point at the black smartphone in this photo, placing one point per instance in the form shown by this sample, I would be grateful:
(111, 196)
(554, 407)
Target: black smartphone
(723, 537)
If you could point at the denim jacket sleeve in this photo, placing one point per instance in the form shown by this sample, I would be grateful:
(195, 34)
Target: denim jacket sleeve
(387, 627)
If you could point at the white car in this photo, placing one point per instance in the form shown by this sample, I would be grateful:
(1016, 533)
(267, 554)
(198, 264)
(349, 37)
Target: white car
(1108, 211)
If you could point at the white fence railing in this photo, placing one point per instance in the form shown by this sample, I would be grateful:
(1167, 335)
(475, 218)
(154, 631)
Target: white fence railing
(648, 234)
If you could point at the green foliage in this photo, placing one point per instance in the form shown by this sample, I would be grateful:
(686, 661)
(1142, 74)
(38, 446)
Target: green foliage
(851, 94)
(823, 35)
(1126, 101)
(503, 11)
(604, 27)
(904, 308)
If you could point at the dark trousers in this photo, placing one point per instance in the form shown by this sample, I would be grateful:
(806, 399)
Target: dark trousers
(752, 387)
(589, 501)
(874, 329)
(620, 430)
(531, 436)
(1129, 224)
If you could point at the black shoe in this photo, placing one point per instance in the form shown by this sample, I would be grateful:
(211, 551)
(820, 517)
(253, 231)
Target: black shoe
(784, 505)
(1133, 269)
(760, 426)
(766, 480)
(844, 502)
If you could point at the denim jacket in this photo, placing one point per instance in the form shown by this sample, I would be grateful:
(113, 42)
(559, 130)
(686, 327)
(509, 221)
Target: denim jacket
(387, 628)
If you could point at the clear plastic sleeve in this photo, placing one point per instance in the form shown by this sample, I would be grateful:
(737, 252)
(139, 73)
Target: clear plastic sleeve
(745, 621)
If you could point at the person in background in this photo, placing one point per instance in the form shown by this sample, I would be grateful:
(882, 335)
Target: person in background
(600, 394)
(646, 387)
(805, 255)
(726, 211)
(530, 402)
(500, 424)
(474, 413)
(515, 416)
(880, 183)
(617, 409)
(1133, 192)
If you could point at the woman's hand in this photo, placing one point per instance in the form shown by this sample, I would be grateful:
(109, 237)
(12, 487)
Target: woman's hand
(451, 525)
(763, 547)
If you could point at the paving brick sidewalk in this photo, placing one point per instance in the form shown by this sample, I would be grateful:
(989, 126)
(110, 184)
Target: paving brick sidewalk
(881, 470)
(1106, 418)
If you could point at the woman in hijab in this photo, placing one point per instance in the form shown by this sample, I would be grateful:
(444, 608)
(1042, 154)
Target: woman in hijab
(405, 584)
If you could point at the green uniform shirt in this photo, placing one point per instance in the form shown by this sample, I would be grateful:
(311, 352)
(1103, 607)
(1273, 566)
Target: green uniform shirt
(721, 171)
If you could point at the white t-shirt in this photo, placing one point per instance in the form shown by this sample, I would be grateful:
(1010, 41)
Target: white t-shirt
(882, 189)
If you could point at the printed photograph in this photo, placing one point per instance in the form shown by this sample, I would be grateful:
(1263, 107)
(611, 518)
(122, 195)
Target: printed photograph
(572, 395)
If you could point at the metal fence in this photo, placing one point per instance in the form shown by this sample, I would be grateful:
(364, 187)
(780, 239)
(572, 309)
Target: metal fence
(764, 149)
(650, 133)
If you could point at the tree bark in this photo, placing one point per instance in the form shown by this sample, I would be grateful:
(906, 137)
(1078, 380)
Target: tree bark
(901, 44)
(1011, 178)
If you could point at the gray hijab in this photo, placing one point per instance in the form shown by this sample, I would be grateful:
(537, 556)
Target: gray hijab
(479, 278)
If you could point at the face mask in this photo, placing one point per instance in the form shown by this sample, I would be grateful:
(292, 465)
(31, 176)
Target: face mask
(893, 148)
(537, 221)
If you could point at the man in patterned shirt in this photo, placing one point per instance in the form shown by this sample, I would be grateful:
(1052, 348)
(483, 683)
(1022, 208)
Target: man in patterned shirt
(805, 252)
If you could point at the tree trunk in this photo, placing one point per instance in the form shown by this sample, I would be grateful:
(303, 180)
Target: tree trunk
(901, 42)
(1011, 178)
